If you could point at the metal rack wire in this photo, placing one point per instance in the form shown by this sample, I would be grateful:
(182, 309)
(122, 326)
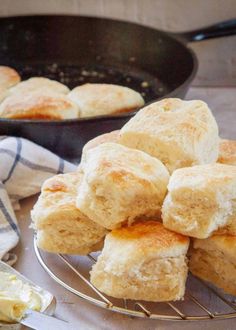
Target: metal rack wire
(172, 311)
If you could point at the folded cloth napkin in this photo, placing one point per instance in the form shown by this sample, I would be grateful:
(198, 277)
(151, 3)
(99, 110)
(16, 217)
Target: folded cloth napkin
(23, 168)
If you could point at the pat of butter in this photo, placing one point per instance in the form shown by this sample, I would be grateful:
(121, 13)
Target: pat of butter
(11, 309)
(17, 296)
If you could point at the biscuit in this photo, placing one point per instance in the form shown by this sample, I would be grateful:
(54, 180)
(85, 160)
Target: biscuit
(120, 184)
(179, 133)
(105, 99)
(60, 226)
(38, 105)
(213, 259)
(39, 84)
(144, 261)
(107, 137)
(103, 138)
(8, 78)
(227, 152)
(201, 200)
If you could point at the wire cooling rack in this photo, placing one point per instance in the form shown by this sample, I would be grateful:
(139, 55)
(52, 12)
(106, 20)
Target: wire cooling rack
(201, 302)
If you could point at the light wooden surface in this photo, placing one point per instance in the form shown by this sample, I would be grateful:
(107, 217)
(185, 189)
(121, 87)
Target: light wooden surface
(217, 57)
(86, 316)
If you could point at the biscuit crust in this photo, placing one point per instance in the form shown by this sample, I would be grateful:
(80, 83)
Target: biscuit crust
(42, 84)
(60, 226)
(179, 133)
(144, 261)
(227, 152)
(38, 105)
(104, 138)
(201, 200)
(105, 99)
(8, 78)
(120, 184)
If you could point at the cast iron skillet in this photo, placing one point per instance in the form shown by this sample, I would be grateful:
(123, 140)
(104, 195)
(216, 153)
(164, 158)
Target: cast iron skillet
(75, 50)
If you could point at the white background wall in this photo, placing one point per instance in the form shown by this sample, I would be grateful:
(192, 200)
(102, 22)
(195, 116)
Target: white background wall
(217, 57)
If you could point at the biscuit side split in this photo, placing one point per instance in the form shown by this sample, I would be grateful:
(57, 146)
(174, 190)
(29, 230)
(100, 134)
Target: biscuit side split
(213, 260)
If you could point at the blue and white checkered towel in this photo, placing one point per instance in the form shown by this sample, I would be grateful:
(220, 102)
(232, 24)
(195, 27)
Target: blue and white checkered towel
(23, 168)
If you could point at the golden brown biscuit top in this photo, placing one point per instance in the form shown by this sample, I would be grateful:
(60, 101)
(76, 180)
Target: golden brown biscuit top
(59, 193)
(210, 176)
(39, 84)
(124, 166)
(55, 185)
(63, 183)
(57, 198)
(227, 152)
(150, 234)
(107, 137)
(35, 105)
(166, 117)
(102, 99)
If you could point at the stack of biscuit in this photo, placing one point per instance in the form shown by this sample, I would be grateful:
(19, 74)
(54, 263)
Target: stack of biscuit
(46, 99)
(165, 178)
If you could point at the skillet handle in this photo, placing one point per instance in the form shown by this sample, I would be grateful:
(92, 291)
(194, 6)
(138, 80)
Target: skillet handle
(226, 28)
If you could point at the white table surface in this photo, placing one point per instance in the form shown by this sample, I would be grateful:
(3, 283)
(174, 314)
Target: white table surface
(86, 316)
